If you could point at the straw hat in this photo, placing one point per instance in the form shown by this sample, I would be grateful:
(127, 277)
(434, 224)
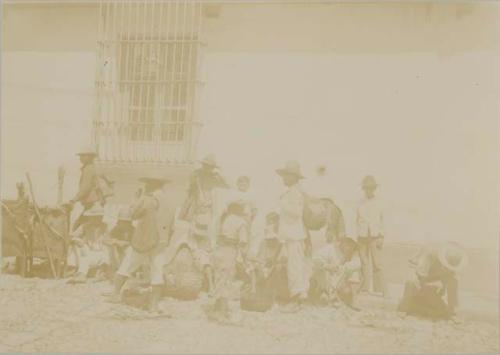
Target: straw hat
(453, 257)
(94, 211)
(209, 160)
(369, 181)
(87, 150)
(291, 168)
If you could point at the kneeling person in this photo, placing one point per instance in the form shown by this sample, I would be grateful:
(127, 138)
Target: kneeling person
(336, 271)
(435, 276)
(86, 246)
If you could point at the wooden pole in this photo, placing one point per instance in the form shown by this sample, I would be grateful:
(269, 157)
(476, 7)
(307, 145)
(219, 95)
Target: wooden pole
(43, 231)
(60, 184)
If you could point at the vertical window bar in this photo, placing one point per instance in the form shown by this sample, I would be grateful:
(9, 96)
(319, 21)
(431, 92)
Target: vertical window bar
(106, 86)
(195, 125)
(126, 86)
(121, 92)
(190, 82)
(181, 84)
(164, 77)
(158, 87)
(135, 87)
(111, 127)
(98, 77)
(171, 83)
(152, 87)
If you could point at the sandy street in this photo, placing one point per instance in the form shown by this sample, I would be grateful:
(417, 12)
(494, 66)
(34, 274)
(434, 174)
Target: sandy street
(50, 315)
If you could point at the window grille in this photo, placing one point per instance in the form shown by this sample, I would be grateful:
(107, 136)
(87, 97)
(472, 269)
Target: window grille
(147, 80)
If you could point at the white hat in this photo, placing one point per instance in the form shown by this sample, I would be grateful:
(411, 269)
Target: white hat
(453, 257)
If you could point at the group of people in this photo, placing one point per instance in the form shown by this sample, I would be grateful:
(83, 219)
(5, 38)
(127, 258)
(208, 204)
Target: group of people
(228, 248)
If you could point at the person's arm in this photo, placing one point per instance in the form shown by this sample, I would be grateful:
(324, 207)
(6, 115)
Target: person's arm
(88, 181)
(138, 209)
(381, 234)
(358, 222)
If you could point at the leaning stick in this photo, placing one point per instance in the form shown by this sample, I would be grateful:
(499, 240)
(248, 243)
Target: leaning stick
(44, 237)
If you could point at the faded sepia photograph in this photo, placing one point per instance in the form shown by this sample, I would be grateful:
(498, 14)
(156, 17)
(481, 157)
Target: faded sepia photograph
(250, 176)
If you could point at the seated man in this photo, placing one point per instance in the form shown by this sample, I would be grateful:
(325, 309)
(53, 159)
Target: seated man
(118, 239)
(86, 249)
(336, 272)
(435, 277)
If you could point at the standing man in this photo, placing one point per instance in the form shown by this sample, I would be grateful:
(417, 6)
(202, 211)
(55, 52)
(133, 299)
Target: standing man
(293, 235)
(201, 211)
(88, 189)
(370, 228)
(145, 242)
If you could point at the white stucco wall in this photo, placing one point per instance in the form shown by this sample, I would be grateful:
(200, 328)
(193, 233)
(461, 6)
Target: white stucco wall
(418, 85)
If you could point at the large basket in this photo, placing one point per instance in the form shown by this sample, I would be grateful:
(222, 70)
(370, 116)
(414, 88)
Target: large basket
(184, 280)
(315, 214)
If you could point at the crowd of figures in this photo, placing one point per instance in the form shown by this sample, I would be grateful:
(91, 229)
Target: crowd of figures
(274, 262)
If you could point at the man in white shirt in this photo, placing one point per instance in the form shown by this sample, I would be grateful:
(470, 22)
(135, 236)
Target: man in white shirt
(370, 229)
(292, 234)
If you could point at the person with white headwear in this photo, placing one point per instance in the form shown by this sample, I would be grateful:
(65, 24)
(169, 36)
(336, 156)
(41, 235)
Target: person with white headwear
(436, 269)
(294, 236)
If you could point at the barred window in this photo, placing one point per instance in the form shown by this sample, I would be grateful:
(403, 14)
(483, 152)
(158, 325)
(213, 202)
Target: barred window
(147, 80)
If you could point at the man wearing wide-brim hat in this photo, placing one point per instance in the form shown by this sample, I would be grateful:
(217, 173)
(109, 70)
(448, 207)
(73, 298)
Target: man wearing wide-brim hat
(292, 233)
(201, 211)
(145, 242)
(436, 269)
(88, 189)
(370, 232)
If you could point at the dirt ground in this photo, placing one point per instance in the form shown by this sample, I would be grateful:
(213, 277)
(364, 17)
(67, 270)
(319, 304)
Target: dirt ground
(52, 316)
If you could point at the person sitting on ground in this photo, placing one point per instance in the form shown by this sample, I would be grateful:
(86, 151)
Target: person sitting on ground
(436, 269)
(86, 247)
(145, 242)
(336, 272)
(118, 239)
(231, 243)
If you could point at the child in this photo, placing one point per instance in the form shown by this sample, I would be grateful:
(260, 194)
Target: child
(86, 246)
(118, 239)
(144, 245)
(243, 185)
(231, 243)
(266, 271)
(336, 269)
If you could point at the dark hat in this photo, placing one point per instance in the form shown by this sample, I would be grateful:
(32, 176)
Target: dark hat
(153, 178)
(291, 168)
(87, 150)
